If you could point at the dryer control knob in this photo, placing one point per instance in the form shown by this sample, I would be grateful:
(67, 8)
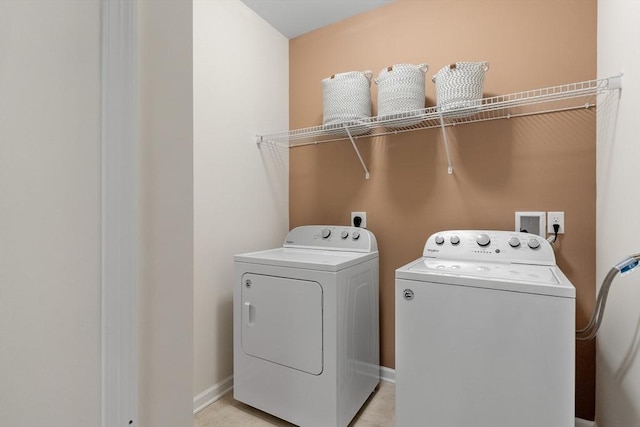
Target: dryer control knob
(325, 233)
(483, 239)
(344, 234)
(355, 235)
(514, 242)
(533, 243)
(455, 240)
(439, 240)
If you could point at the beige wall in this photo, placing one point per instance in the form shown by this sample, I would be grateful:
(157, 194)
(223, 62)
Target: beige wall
(166, 212)
(540, 163)
(241, 87)
(618, 210)
(49, 213)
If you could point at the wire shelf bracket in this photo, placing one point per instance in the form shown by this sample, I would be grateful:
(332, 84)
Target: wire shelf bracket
(572, 96)
(355, 147)
(445, 142)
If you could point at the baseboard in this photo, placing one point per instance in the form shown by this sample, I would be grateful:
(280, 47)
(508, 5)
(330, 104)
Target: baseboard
(387, 374)
(585, 423)
(212, 394)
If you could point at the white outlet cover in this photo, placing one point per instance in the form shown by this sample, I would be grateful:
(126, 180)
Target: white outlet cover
(553, 218)
(362, 215)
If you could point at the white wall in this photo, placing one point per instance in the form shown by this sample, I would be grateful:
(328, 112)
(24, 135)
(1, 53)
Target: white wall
(618, 213)
(166, 212)
(49, 213)
(241, 80)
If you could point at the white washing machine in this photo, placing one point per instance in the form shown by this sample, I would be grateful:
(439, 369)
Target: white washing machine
(485, 334)
(306, 340)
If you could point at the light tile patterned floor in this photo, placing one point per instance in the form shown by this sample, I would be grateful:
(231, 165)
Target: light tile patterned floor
(378, 411)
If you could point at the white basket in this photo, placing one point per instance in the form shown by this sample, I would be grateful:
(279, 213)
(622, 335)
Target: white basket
(346, 98)
(459, 88)
(401, 89)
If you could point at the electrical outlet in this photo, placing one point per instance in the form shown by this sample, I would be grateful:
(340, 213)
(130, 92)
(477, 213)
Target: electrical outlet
(359, 216)
(555, 218)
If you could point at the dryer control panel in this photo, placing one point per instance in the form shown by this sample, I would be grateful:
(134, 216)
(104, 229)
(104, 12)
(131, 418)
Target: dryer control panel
(490, 245)
(332, 237)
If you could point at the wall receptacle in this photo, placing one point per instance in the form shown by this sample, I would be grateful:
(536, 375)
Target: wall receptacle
(359, 219)
(531, 222)
(555, 218)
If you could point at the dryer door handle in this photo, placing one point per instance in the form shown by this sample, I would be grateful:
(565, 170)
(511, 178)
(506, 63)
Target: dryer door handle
(249, 313)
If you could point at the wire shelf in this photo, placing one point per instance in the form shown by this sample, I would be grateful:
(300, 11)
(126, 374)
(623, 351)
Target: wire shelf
(538, 101)
(565, 97)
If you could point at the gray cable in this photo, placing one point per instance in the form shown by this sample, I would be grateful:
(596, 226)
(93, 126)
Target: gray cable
(591, 329)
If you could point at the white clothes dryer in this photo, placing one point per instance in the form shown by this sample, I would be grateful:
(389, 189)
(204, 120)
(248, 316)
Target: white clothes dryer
(485, 333)
(306, 333)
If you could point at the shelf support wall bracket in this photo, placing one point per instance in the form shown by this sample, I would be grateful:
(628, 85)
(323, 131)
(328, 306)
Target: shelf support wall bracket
(445, 141)
(615, 82)
(355, 147)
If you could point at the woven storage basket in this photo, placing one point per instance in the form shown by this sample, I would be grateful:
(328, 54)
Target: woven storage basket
(401, 90)
(459, 87)
(346, 98)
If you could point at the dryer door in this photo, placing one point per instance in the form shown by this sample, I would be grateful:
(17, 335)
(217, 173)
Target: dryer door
(282, 321)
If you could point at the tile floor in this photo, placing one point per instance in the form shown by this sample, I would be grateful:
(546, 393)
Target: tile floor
(378, 411)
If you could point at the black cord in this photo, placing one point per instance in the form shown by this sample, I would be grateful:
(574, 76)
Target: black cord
(556, 228)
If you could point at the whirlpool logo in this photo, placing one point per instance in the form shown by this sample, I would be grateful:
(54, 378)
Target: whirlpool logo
(408, 294)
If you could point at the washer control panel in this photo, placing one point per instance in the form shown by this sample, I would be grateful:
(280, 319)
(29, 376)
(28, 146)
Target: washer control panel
(331, 237)
(503, 246)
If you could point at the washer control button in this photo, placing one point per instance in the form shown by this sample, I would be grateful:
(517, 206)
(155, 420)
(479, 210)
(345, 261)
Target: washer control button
(344, 234)
(533, 243)
(325, 233)
(439, 240)
(455, 240)
(514, 242)
(355, 235)
(483, 239)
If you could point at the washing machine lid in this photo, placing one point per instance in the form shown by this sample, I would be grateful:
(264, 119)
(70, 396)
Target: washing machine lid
(533, 279)
(309, 259)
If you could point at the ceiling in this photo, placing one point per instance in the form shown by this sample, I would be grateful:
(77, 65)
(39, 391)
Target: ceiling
(296, 17)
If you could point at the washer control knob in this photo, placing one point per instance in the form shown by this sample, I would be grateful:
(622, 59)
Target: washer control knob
(325, 233)
(483, 239)
(355, 235)
(344, 234)
(533, 243)
(439, 240)
(455, 240)
(514, 242)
